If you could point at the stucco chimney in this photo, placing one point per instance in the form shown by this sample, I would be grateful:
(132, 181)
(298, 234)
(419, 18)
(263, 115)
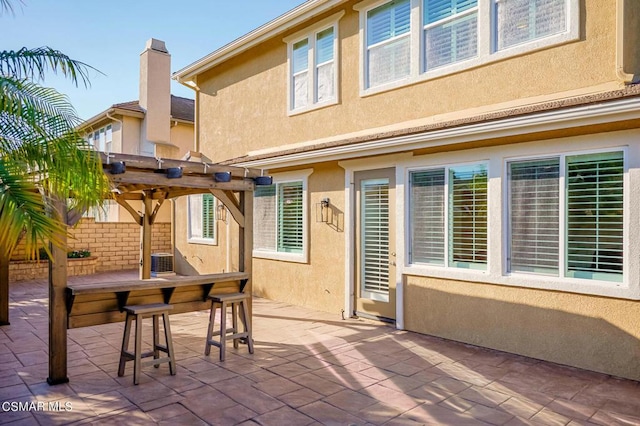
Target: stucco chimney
(155, 94)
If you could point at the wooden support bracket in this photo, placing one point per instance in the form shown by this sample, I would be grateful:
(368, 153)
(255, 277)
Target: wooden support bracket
(122, 296)
(70, 299)
(152, 218)
(136, 216)
(167, 293)
(229, 200)
(206, 289)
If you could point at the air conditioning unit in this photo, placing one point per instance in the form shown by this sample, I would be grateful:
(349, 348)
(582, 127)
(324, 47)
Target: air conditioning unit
(161, 264)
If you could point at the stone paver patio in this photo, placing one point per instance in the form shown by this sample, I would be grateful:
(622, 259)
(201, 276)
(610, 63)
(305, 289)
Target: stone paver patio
(309, 367)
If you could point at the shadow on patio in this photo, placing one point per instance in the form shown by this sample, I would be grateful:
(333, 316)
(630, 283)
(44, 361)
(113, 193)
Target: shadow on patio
(309, 367)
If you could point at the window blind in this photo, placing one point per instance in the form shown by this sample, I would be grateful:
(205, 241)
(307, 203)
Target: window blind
(534, 216)
(388, 42)
(208, 216)
(325, 65)
(468, 217)
(451, 41)
(300, 68)
(264, 218)
(595, 216)
(436, 10)
(290, 215)
(427, 216)
(375, 235)
(519, 21)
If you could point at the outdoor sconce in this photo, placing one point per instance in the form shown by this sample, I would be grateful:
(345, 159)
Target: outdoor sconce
(322, 211)
(263, 180)
(174, 172)
(221, 212)
(222, 176)
(118, 168)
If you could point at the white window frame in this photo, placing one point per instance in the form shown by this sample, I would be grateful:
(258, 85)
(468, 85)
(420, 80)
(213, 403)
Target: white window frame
(281, 178)
(487, 42)
(310, 34)
(562, 240)
(448, 263)
(199, 239)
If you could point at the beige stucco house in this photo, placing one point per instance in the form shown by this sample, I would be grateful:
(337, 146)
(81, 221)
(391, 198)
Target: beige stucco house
(461, 168)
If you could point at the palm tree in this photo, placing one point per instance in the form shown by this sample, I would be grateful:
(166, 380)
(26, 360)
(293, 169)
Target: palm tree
(42, 156)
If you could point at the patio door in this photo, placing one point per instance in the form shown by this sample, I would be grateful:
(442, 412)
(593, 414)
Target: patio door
(375, 284)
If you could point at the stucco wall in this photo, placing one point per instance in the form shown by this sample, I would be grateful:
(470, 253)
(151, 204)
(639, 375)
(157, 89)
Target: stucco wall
(595, 333)
(247, 95)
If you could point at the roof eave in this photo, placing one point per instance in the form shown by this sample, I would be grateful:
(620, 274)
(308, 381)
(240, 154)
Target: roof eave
(279, 25)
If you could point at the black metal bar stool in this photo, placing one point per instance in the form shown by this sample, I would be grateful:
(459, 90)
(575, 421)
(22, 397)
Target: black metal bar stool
(137, 313)
(235, 300)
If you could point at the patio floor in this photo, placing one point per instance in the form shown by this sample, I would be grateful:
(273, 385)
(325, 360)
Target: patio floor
(309, 367)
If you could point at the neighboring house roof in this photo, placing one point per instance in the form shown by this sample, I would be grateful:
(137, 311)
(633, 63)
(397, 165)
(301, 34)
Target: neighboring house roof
(290, 19)
(604, 107)
(182, 109)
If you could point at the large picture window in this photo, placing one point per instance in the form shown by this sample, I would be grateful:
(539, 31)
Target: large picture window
(448, 217)
(280, 221)
(591, 224)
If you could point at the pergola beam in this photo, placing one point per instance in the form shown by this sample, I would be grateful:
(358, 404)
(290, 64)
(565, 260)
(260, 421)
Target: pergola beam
(155, 180)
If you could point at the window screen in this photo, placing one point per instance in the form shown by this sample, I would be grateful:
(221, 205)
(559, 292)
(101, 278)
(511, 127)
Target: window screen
(519, 21)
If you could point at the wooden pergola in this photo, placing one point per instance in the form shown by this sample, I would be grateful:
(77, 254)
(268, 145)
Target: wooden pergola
(151, 181)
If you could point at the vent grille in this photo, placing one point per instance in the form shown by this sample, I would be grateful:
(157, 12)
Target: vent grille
(161, 264)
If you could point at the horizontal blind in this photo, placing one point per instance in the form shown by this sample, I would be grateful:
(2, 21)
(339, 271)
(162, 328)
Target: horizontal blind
(375, 235)
(388, 42)
(325, 65)
(387, 21)
(519, 21)
(427, 216)
(290, 217)
(264, 218)
(534, 216)
(468, 217)
(451, 41)
(208, 216)
(195, 216)
(436, 10)
(300, 69)
(595, 216)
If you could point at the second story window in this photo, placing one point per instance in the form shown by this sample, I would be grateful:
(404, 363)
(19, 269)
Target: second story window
(407, 41)
(389, 42)
(520, 21)
(101, 139)
(450, 31)
(313, 70)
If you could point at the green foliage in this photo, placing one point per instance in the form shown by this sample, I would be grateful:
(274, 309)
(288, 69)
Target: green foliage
(75, 254)
(42, 156)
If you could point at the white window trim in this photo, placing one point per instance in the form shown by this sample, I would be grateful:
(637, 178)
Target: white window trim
(625, 141)
(486, 44)
(294, 176)
(200, 240)
(310, 33)
(408, 240)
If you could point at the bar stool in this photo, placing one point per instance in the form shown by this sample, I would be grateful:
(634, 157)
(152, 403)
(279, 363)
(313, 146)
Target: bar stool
(236, 300)
(138, 312)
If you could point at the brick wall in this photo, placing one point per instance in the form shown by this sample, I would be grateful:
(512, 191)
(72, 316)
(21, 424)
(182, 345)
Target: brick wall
(115, 244)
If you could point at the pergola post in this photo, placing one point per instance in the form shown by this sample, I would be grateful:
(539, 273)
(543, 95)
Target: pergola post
(4, 289)
(145, 237)
(245, 262)
(58, 305)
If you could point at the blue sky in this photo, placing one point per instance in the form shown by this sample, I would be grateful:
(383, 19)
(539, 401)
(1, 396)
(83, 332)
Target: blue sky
(111, 35)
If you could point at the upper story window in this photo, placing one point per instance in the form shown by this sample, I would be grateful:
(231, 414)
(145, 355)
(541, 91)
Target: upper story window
(404, 41)
(202, 219)
(388, 42)
(313, 66)
(101, 139)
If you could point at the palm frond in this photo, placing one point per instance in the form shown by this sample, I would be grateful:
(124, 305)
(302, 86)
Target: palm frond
(32, 64)
(23, 213)
(6, 6)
